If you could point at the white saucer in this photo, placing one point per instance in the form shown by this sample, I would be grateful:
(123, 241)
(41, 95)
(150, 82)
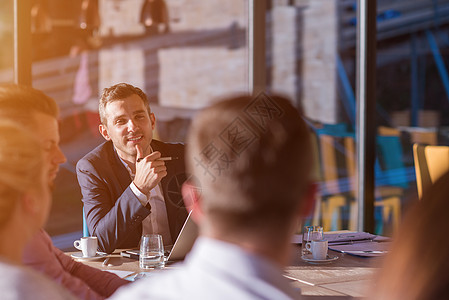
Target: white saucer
(79, 255)
(310, 259)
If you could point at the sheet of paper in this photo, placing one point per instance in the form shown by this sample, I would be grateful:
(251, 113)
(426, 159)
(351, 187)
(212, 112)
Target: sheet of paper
(342, 237)
(365, 249)
(120, 273)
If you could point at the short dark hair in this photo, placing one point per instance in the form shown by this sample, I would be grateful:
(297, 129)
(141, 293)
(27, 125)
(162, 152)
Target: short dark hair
(259, 178)
(117, 92)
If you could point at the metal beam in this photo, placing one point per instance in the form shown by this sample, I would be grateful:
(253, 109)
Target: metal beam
(349, 100)
(414, 81)
(22, 42)
(444, 75)
(256, 46)
(366, 105)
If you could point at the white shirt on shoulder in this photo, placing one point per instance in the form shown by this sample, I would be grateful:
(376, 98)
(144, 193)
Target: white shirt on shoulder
(22, 283)
(214, 270)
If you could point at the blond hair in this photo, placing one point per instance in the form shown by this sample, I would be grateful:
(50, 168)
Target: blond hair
(417, 266)
(21, 162)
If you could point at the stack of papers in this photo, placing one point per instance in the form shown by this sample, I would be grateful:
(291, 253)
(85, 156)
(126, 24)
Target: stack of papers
(366, 249)
(355, 243)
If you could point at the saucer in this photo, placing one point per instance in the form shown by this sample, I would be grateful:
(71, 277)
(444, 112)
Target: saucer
(79, 256)
(310, 259)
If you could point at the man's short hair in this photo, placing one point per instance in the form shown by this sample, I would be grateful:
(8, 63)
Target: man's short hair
(252, 160)
(20, 165)
(20, 103)
(26, 99)
(117, 92)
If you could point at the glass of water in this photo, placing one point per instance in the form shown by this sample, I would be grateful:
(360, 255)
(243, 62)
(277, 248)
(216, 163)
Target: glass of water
(151, 252)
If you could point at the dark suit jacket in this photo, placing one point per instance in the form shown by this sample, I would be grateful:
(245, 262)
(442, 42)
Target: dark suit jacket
(113, 212)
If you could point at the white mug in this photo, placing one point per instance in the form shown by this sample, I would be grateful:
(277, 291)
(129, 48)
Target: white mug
(88, 245)
(310, 233)
(318, 249)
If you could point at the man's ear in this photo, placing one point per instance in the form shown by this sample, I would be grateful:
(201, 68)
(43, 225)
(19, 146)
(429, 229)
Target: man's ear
(153, 121)
(192, 200)
(104, 132)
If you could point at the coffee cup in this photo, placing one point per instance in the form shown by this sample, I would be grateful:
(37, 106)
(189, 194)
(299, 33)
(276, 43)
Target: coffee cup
(310, 233)
(318, 249)
(87, 245)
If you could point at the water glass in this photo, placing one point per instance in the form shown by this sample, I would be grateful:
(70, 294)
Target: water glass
(151, 252)
(309, 234)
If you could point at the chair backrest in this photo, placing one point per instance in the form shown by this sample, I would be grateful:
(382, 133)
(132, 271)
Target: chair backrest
(337, 163)
(390, 159)
(85, 228)
(431, 162)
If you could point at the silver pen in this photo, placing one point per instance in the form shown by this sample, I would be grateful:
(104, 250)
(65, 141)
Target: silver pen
(162, 158)
(167, 158)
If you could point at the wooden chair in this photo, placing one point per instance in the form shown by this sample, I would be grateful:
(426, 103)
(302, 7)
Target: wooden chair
(337, 153)
(431, 162)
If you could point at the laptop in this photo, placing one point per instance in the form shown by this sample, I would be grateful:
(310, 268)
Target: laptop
(183, 244)
(185, 240)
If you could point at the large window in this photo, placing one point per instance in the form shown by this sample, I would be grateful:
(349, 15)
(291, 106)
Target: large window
(6, 41)
(186, 53)
(182, 53)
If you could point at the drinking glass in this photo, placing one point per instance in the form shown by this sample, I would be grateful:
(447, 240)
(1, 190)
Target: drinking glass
(310, 233)
(151, 252)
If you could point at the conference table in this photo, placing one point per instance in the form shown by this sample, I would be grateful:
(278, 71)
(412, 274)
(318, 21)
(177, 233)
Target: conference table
(348, 277)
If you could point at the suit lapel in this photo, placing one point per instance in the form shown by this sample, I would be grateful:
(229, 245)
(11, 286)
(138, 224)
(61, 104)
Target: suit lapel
(118, 167)
(159, 146)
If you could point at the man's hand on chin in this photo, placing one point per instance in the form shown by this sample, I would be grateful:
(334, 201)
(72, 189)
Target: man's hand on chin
(149, 170)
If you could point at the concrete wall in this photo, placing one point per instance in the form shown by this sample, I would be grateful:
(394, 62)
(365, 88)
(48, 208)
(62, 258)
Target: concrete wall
(319, 46)
(302, 42)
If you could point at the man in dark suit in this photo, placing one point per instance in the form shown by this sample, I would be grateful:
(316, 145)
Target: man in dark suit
(131, 183)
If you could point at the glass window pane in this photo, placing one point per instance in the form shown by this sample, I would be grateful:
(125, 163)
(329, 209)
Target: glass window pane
(6, 41)
(311, 58)
(182, 53)
(412, 99)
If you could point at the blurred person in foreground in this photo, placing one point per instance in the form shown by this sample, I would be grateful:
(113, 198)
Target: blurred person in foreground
(39, 114)
(417, 266)
(127, 191)
(250, 161)
(25, 200)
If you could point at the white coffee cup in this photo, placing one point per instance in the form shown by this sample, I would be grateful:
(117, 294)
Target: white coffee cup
(318, 249)
(88, 245)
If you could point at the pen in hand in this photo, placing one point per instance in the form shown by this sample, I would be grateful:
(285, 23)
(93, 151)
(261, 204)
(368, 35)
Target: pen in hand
(162, 158)
(168, 158)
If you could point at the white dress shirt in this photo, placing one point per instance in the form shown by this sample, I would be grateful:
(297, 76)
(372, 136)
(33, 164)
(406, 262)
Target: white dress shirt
(214, 270)
(157, 220)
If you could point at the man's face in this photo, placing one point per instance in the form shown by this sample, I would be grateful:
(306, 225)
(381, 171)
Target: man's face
(128, 124)
(41, 194)
(48, 133)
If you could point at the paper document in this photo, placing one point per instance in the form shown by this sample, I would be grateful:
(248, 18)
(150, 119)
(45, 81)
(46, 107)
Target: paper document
(119, 273)
(345, 237)
(366, 249)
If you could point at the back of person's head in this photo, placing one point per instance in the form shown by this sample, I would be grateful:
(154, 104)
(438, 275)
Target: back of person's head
(20, 166)
(26, 100)
(251, 157)
(418, 266)
(117, 92)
